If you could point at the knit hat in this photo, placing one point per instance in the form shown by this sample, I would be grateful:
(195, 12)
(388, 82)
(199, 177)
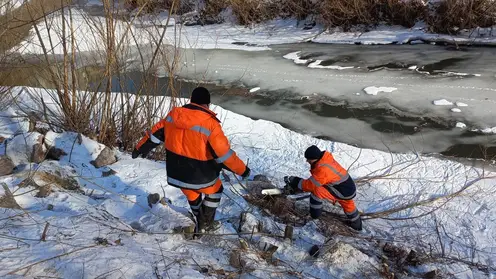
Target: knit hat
(313, 153)
(200, 96)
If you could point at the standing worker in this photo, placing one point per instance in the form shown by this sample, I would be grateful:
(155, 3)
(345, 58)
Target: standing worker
(196, 151)
(329, 181)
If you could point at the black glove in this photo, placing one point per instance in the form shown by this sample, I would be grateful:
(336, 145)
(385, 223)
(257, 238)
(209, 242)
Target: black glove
(135, 154)
(246, 173)
(292, 184)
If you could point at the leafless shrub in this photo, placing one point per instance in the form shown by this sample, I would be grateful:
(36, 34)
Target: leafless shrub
(450, 16)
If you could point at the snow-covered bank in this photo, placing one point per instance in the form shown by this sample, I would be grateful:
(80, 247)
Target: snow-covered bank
(443, 202)
(89, 32)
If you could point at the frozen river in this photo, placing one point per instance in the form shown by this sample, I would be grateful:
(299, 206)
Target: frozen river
(402, 98)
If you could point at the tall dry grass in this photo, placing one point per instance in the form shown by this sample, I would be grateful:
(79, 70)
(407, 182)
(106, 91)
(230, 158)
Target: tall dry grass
(113, 119)
(450, 16)
(445, 16)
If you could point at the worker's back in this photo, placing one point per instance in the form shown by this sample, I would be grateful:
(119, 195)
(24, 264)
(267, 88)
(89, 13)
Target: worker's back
(190, 157)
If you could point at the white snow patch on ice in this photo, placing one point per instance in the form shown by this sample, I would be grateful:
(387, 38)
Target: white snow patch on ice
(412, 67)
(442, 102)
(374, 90)
(255, 89)
(295, 56)
(489, 130)
(456, 110)
(316, 65)
(399, 35)
(460, 104)
(461, 125)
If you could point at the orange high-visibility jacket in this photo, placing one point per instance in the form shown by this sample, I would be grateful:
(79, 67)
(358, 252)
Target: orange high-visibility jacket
(196, 147)
(329, 180)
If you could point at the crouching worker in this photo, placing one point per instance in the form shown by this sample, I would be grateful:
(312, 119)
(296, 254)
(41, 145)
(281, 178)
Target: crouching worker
(329, 181)
(196, 152)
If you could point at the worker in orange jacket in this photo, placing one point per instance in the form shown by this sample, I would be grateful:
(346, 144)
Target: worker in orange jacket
(196, 152)
(329, 181)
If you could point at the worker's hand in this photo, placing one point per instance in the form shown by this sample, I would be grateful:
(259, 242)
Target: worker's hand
(135, 154)
(292, 184)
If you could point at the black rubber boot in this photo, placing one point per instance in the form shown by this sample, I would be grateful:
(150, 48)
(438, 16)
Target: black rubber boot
(205, 221)
(209, 215)
(356, 224)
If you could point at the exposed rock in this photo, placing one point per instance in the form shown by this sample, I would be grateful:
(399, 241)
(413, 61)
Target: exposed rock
(433, 274)
(314, 251)
(106, 157)
(55, 153)
(39, 151)
(2, 139)
(261, 177)
(341, 253)
(8, 200)
(6, 165)
(153, 199)
(249, 223)
(33, 118)
(108, 173)
(267, 250)
(237, 260)
(137, 226)
(44, 191)
(25, 148)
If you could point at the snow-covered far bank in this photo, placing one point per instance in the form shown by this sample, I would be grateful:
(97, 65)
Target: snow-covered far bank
(146, 30)
(437, 206)
(384, 35)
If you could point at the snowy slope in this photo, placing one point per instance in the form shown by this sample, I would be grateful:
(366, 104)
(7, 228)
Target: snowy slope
(112, 206)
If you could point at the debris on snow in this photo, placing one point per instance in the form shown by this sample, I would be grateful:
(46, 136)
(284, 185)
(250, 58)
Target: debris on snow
(442, 102)
(373, 90)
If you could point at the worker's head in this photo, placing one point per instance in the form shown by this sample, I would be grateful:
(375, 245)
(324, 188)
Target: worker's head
(201, 96)
(313, 154)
